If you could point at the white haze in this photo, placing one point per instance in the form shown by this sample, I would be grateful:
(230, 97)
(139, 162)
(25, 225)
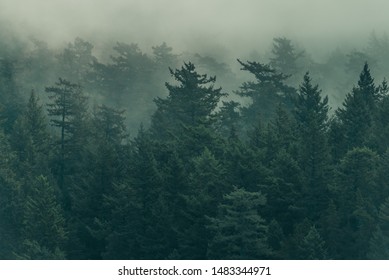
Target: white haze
(219, 27)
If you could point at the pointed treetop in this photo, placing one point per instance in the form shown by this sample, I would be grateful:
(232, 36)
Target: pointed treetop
(307, 86)
(365, 79)
(309, 99)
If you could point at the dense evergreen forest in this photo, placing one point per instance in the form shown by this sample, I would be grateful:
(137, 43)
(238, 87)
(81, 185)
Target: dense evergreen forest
(160, 155)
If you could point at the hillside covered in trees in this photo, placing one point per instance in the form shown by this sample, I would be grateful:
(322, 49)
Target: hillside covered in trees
(176, 156)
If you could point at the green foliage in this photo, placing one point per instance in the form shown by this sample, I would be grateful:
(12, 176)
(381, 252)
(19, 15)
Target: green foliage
(10, 99)
(44, 230)
(357, 195)
(379, 242)
(191, 103)
(312, 247)
(106, 154)
(358, 170)
(228, 117)
(379, 246)
(281, 133)
(11, 203)
(239, 231)
(206, 188)
(332, 230)
(67, 107)
(76, 184)
(311, 113)
(284, 192)
(121, 226)
(30, 138)
(32, 250)
(276, 239)
(68, 112)
(380, 129)
(268, 90)
(357, 114)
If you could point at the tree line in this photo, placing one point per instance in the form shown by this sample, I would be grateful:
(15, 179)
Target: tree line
(279, 177)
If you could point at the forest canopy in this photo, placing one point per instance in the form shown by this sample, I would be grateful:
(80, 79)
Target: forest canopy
(151, 154)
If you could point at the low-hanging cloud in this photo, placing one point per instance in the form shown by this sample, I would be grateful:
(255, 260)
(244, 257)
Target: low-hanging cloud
(233, 25)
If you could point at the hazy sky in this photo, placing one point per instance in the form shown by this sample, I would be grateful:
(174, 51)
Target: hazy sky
(186, 24)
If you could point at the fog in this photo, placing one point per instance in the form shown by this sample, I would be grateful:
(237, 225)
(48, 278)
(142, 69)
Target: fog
(218, 27)
(328, 32)
(234, 153)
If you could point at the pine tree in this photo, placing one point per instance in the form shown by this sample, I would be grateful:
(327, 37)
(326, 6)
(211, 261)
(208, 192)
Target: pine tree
(379, 242)
(284, 192)
(312, 247)
(141, 220)
(185, 119)
(245, 164)
(276, 239)
(359, 170)
(378, 245)
(107, 165)
(11, 202)
(356, 115)
(280, 134)
(228, 118)
(68, 111)
(311, 113)
(357, 194)
(364, 220)
(268, 90)
(191, 103)
(147, 174)
(380, 130)
(206, 189)
(30, 138)
(383, 176)
(332, 230)
(10, 98)
(239, 231)
(120, 230)
(43, 224)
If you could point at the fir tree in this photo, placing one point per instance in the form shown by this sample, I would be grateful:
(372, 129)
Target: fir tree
(30, 138)
(357, 194)
(312, 246)
(311, 113)
(266, 92)
(356, 115)
(43, 224)
(191, 103)
(239, 231)
(11, 202)
(68, 113)
(206, 189)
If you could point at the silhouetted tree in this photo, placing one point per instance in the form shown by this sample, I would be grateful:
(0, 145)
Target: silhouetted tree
(67, 109)
(268, 90)
(311, 113)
